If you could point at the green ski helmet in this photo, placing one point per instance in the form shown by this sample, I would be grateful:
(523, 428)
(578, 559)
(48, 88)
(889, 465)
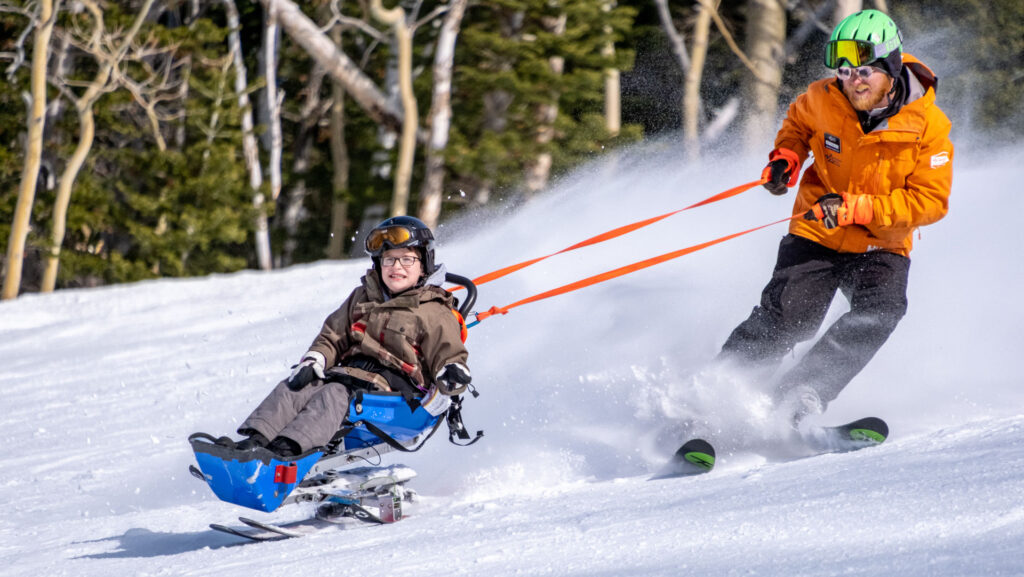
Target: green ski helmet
(868, 37)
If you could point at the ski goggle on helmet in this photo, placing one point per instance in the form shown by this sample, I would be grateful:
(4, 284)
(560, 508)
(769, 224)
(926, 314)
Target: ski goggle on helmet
(861, 39)
(398, 232)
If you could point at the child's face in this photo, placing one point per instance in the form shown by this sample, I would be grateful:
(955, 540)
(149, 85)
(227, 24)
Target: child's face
(398, 277)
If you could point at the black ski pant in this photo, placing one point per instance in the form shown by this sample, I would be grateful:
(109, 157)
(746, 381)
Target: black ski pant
(795, 301)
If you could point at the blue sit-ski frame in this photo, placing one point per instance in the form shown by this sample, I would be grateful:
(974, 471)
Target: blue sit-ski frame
(261, 480)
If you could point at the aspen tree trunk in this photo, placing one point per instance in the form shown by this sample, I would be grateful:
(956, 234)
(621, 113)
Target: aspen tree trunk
(250, 148)
(846, 7)
(273, 103)
(33, 153)
(340, 163)
(692, 83)
(691, 93)
(395, 17)
(294, 211)
(539, 171)
(339, 180)
(612, 84)
(440, 115)
(766, 36)
(87, 130)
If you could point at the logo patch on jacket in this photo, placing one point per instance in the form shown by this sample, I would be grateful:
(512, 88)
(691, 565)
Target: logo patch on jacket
(832, 143)
(940, 159)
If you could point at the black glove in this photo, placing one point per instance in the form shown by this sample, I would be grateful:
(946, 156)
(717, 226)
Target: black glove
(781, 171)
(826, 209)
(779, 176)
(310, 369)
(453, 378)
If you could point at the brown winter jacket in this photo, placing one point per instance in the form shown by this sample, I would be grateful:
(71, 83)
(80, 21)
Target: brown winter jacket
(905, 166)
(415, 333)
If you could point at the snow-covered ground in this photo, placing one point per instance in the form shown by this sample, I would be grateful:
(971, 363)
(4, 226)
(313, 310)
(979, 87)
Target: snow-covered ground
(581, 399)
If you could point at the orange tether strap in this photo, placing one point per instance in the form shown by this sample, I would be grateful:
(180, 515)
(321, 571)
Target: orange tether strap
(614, 233)
(621, 271)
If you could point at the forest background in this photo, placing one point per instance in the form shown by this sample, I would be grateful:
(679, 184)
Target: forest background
(163, 138)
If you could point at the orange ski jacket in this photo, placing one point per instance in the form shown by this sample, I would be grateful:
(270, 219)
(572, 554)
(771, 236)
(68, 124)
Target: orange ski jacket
(905, 164)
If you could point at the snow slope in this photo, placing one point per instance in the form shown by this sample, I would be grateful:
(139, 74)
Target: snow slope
(582, 397)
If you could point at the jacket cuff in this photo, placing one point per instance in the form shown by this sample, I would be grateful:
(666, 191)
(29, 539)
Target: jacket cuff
(859, 208)
(793, 161)
(316, 356)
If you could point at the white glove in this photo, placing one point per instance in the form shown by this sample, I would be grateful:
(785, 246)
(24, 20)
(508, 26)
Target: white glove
(436, 402)
(453, 377)
(308, 370)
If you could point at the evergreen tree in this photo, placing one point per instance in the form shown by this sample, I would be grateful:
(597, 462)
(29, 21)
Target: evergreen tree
(504, 73)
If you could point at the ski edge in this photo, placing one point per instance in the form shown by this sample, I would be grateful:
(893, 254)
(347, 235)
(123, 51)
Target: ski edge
(246, 534)
(284, 532)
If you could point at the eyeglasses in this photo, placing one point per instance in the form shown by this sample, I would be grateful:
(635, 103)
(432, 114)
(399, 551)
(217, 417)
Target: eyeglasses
(864, 72)
(406, 261)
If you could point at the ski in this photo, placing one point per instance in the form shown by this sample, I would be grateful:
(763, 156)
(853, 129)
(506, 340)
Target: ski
(259, 536)
(283, 531)
(859, 434)
(694, 457)
(330, 514)
(869, 429)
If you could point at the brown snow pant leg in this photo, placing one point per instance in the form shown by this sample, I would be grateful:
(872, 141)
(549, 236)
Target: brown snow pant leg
(310, 417)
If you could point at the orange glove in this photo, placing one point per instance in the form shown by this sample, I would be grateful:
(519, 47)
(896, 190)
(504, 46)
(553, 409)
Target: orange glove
(842, 210)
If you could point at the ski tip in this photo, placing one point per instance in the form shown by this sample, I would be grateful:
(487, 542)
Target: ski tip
(700, 453)
(697, 452)
(694, 457)
(871, 429)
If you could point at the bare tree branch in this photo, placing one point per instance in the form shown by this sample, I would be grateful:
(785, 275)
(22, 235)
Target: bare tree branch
(675, 39)
(19, 53)
(306, 34)
(732, 43)
(110, 50)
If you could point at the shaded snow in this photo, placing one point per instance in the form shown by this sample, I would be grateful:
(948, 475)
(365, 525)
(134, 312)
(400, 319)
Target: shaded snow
(582, 398)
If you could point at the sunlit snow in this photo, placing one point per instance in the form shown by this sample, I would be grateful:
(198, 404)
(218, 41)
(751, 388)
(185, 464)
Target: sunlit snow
(582, 399)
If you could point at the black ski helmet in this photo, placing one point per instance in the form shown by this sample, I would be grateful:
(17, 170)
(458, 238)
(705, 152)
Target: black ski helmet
(401, 232)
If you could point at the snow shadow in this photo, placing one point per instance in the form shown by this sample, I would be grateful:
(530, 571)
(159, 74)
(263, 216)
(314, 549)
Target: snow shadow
(141, 543)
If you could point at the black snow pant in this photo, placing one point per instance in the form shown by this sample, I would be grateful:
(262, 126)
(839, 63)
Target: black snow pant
(795, 301)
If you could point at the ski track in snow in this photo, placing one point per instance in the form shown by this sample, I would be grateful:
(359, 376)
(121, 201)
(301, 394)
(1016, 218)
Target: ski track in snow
(582, 399)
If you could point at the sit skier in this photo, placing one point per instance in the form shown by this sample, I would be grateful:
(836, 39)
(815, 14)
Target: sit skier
(396, 332)
(882, 168)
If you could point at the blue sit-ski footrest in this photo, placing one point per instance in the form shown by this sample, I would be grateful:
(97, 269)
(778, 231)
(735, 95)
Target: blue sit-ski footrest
(257, 479)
